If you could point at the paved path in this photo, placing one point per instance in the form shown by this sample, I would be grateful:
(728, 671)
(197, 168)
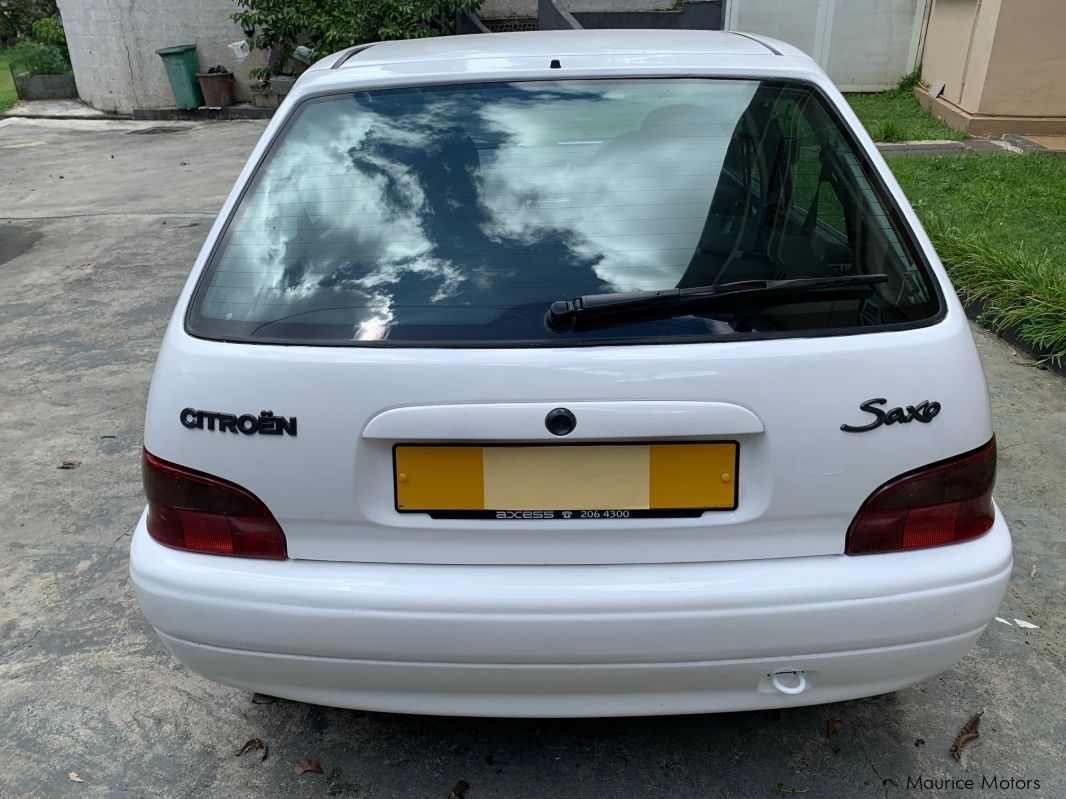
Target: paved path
(1007, 145)
(54, 109)
(99, 224)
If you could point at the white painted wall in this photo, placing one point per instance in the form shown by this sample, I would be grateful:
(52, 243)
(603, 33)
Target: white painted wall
(864, 45)
(112, 47)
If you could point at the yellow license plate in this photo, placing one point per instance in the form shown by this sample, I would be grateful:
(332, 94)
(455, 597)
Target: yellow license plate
(566, 481)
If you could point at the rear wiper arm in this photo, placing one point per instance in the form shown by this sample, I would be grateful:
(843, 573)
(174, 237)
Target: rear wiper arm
(565, 315)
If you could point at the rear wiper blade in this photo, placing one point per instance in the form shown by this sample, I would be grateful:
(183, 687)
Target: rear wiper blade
(587, 310)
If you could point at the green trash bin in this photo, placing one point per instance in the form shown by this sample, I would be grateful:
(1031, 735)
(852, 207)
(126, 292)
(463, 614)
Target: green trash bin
(181, 65)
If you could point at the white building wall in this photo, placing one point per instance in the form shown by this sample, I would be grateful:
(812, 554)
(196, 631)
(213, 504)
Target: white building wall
(113, 42)
(863, 45)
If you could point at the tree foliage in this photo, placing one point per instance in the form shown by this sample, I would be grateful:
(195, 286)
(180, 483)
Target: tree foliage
(330, 25)
(49, 30)
(44, 52)
(17, 17)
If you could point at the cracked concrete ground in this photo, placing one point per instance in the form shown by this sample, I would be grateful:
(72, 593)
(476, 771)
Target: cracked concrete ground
(99, 224)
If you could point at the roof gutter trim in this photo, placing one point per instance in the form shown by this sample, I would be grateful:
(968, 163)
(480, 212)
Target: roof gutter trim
(757, 40)
(350, 53)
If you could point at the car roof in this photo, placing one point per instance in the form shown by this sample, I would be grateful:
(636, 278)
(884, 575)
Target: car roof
(552, 44)
(596, 48)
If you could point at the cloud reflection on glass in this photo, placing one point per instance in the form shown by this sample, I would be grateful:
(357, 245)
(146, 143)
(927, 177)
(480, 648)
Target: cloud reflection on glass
(477, 205)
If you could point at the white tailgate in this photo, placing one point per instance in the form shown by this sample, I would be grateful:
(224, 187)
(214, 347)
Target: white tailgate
(801, 478)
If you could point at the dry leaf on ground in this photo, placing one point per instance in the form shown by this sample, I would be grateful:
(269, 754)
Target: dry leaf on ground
(307, 764)
(832, 727)
(459, 789)
(969, 731)
(253, 743)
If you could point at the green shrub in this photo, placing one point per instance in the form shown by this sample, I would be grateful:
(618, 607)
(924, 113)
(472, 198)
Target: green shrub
(329, 25)
(49, 31)
(37, 58)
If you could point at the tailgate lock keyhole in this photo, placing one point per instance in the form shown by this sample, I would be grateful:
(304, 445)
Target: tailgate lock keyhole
(560, 422)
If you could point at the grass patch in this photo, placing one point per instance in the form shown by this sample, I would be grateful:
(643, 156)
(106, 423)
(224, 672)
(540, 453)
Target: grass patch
(999, 225)
(7, 86)
(895, 116)
(1008, 199)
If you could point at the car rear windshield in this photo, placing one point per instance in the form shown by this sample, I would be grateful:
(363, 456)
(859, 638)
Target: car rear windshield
(456, 216)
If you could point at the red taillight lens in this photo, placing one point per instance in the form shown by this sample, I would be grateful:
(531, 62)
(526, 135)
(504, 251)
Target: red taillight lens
(197, 512)
(938, 504)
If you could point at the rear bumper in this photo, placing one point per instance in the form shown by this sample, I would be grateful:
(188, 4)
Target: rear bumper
(572, 640)
(635, 689)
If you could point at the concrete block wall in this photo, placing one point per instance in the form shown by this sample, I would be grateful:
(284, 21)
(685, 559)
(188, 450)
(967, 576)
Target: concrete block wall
(113, 43)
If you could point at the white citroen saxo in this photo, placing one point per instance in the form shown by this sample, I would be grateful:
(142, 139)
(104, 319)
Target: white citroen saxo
(566, 374)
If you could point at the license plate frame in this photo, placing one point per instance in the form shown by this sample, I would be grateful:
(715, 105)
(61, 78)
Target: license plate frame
(670, 480)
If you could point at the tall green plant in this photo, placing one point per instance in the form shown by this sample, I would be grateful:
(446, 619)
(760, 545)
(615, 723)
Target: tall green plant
(1019, 288)
(909, 82)
(329, 25)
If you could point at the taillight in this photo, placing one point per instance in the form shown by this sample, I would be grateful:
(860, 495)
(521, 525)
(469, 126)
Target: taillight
(194, 511)
(938, 504)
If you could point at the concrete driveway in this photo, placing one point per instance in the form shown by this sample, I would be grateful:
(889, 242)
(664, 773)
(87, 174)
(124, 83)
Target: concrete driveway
(99, 224)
